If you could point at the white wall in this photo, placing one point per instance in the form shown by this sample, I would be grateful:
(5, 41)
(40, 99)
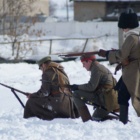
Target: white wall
(81, 28)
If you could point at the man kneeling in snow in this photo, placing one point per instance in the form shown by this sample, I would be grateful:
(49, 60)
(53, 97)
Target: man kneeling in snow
(53, 99)
(99, 90)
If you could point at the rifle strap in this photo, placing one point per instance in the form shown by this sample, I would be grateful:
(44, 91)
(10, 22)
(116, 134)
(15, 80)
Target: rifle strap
(18, 98)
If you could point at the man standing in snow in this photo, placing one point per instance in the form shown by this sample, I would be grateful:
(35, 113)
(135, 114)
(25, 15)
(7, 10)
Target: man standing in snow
(128, 57)
(98, 90)
(53, 99)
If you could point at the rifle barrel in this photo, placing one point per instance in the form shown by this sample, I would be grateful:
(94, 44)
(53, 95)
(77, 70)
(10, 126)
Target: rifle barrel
(78, 54)
(14, 89)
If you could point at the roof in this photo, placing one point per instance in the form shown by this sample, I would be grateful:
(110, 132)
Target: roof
(111, 0)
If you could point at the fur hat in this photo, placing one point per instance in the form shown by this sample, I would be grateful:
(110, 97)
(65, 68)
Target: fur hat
(43, 60)
(128, 19)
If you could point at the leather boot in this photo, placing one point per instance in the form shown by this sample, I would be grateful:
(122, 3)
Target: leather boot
(84, 113)
(123, 114)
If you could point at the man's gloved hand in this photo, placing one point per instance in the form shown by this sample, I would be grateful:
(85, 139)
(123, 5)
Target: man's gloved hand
(28, 95)
(102, 53)
(74, 87)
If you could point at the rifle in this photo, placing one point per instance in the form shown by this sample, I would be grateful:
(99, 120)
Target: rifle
(99, 106)
(13, 90)
(55, 84)
(78, 54)
(82, 98)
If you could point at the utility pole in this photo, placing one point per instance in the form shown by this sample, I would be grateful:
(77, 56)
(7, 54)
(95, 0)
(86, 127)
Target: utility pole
(3, 19)
(67, 9)
(120, 37)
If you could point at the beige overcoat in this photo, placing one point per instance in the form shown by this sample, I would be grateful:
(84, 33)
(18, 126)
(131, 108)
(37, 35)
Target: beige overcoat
(130, 73)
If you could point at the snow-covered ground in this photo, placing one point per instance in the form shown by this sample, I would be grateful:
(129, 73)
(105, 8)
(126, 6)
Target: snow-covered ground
(26, 77)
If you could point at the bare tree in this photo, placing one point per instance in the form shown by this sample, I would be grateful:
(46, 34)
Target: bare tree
(14, 12)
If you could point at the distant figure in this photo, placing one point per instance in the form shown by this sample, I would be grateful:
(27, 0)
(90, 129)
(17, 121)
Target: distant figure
(99, 91)
(53, 99)
(128, 58)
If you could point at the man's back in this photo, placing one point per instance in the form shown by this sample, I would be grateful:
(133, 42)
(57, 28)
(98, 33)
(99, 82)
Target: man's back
(100, 75)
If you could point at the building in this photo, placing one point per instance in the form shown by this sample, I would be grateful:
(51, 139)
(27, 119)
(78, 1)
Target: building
(34, 7)
(14, 12)
(39, 7)
(85, 10)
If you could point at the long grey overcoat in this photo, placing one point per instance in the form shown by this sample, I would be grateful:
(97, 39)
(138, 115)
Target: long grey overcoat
(130, 73)
(53, 99)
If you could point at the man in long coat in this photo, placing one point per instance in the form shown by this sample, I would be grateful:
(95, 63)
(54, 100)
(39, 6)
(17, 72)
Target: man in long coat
(53, 99)
(98, 91)
(128, 56)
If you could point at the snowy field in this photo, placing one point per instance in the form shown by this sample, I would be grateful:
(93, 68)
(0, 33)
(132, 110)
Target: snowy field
(26, 77)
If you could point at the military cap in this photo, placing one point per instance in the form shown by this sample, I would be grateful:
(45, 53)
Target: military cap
(86, 57)
(43, 60)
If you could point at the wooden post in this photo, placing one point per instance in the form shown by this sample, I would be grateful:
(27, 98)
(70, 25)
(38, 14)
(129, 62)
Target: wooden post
(3, 19)
(85, 45)
(50, 51)
(120, 37)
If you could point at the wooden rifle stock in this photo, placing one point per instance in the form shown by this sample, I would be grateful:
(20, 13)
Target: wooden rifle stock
(13, 89)
(78, 54)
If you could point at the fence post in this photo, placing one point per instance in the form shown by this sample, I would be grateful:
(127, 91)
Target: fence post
(50, 51)
(85, 45)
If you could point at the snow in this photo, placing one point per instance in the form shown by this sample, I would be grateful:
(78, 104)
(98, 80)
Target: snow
(26, 77)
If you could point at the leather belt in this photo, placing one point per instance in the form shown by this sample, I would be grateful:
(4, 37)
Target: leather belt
(124, 63)
(55, 92)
